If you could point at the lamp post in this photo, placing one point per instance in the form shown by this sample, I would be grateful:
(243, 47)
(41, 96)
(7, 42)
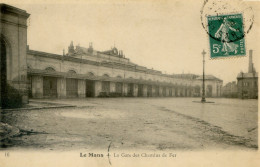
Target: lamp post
(203, 100)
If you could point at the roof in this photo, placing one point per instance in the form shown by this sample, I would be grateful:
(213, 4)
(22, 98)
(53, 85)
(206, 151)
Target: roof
(129, 66)
(11, 9)
(247, 75)
(208, 77)
(187, 76)
(80, 50)
(113, 52)
(118, 65)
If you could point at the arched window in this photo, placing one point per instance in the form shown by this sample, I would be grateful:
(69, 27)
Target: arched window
(72, 72)
(106, 75)
(90, 74)
(50, 69)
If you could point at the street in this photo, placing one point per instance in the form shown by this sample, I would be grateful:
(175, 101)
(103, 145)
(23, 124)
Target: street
(137, 124)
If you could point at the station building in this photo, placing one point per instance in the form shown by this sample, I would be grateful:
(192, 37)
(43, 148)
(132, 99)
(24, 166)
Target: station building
(247, 83)
(84, 72)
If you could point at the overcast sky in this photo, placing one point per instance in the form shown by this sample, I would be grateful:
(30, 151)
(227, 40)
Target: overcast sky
(167, 36)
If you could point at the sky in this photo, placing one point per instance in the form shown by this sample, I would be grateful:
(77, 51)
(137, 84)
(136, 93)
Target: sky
(163, 35)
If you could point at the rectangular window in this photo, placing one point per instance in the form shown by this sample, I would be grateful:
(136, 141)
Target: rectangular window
(245, 84)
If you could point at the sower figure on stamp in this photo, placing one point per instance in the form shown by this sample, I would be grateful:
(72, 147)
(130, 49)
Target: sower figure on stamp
(223, 32)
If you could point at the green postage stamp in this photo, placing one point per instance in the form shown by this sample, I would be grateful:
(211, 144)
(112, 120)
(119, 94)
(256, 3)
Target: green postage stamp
(226, 35)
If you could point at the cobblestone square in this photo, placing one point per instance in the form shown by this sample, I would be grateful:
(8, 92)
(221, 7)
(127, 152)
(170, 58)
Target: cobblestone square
(136, 124)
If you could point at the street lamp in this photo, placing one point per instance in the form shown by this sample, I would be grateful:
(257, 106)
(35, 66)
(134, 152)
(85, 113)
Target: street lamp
(203, 99)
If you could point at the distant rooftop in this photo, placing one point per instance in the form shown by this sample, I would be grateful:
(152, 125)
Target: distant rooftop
(247, 75)
(190, 76)
(208, 77)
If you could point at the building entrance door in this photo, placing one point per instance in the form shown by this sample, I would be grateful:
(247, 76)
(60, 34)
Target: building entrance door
(106, 87)
(90, 88)
(71, 87)
(49, 87)
(164, 91)
(176, 92)
(140, 90)
(149, 91)
(130, 89)
(3, 77)
(170, 92)
(30, 86)
(119, 88)
(197, 91)
(156, 91)
(209, 91)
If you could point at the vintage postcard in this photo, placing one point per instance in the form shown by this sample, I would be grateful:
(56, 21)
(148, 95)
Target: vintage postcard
(129, 83)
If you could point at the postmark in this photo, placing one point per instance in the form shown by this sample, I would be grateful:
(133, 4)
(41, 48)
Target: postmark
(227, 23)
(226, 35)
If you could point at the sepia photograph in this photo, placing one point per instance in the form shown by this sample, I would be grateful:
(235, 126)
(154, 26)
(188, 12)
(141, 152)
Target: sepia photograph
(129, 83)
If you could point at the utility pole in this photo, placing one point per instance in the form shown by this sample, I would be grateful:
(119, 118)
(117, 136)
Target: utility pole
(203, 100)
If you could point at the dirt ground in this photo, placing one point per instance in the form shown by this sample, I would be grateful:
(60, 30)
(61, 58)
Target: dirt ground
(136, 123)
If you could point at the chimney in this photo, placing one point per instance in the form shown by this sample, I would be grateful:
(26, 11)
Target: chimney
(250, 66)
(90, 48)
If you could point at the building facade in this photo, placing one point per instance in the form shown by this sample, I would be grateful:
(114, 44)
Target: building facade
(230, 90)
(247, 83)
(13, 66)
(83, 72)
